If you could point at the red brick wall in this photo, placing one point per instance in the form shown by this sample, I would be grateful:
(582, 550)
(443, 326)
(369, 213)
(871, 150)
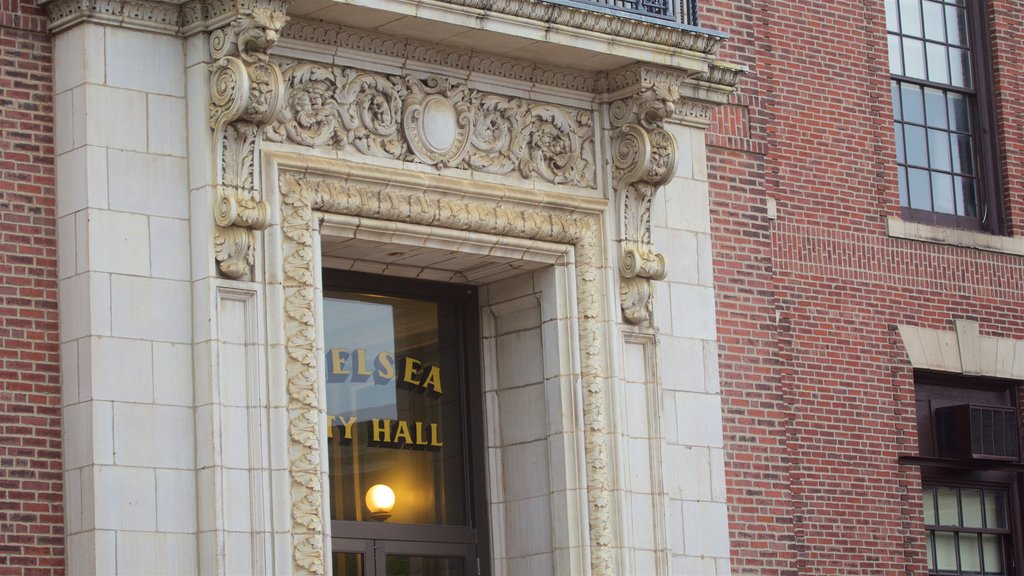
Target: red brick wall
(817, 389)
(31, 500)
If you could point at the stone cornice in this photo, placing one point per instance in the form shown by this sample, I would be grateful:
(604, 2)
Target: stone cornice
(165, 16)
(695, 39)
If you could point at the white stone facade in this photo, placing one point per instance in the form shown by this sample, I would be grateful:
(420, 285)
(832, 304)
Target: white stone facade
(212, 159)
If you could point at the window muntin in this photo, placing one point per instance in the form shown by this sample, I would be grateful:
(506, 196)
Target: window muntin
(966, 529)
(932, 61)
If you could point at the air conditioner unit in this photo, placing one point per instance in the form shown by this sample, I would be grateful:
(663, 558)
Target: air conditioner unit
(975, 432)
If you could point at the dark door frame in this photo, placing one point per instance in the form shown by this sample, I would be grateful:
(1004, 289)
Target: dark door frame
(374, 540)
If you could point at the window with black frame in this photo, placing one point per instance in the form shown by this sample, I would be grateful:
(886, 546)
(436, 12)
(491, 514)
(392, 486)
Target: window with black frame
(943, 113)
(970, 473)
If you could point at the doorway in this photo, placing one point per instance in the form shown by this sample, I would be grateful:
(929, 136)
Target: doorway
(405, 431)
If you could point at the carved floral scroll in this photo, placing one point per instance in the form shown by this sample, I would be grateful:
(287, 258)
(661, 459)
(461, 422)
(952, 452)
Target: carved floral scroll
(643, 160)
(435, 121)
(246, 91)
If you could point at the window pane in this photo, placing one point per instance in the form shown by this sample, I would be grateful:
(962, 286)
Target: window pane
(913, 104)
(992, 547)
(938, 71)
(942, 194)
(921, 198)
(910, 17)
(945, 551)
(959, 68)
(958, 118)
(949, 514)
(897, 109)
(967, 203)
(917, 148)
(970, 554)
(970, 504)
(963, 154)
(938, 149)
(913, 58)
(954, 23)
(898, 129)
(891, 17)
(995, 509)
(929, 506)
(346, 564)
(895, 56)
(934, 27)
(935, 108)
(904, 193)
(425, 566)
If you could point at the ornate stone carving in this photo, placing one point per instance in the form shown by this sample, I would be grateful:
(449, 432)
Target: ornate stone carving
(436, 122)
(246, 94)
(148, 14)
(643, 159)
(302, 196)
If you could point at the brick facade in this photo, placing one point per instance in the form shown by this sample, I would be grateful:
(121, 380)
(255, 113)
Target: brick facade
(818, 391)
(31, 502)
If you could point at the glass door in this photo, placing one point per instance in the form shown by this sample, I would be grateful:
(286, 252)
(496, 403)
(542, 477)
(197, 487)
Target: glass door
(404, 426)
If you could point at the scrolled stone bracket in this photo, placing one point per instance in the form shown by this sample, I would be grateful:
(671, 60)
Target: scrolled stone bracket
(246, 94)
(643, 160)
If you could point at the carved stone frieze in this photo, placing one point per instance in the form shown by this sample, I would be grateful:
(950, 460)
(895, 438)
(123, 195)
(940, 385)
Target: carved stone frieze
(643, 159)
(246, 93)
(435, 121)
(303, 195)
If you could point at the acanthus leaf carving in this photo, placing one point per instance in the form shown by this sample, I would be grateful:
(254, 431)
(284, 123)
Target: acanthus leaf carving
(643, 160)
(246, 93)
(436, 122)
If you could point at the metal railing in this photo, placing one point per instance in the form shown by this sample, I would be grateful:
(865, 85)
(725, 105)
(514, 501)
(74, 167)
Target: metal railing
(662, 11)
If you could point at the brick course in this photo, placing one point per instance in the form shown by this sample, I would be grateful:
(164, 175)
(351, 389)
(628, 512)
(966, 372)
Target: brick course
(31, 498)
(818, 393)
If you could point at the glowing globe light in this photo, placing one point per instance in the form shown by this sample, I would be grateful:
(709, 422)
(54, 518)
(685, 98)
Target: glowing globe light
(380, 499)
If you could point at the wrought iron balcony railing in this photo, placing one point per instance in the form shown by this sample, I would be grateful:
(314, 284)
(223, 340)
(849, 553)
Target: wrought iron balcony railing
(671, 12)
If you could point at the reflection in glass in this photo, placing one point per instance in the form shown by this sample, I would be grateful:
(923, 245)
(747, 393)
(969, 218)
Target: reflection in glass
(928, 550)
(942, 194)
(347, 564)
(954, 23)
(898, 128)
(895, 55)
(910, 17)
(425, 566)
(959, 68)
(917, 148)
(934, 27)
(963, 154)
(913, 104)
(892, 23)
(938, 149)
(935, 108)
(938, 70)
(958, 117)
(913, 58)
(394, 398)
(920, 191)
(897, 110)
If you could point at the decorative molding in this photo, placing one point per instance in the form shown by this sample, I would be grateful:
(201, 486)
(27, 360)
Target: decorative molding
(722, 74)
(303, 195)
(148, 14)
(685, 38)
(436, 121)
(246, 93)
(643, 159)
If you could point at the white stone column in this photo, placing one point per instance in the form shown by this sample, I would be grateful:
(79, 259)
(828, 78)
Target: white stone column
(125, 300)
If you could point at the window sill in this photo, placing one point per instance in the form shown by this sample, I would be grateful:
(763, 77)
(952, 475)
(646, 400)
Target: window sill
(899, 228)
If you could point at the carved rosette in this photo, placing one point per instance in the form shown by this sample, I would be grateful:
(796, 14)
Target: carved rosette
(643, 160)
(436, 122)
(246, 93)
